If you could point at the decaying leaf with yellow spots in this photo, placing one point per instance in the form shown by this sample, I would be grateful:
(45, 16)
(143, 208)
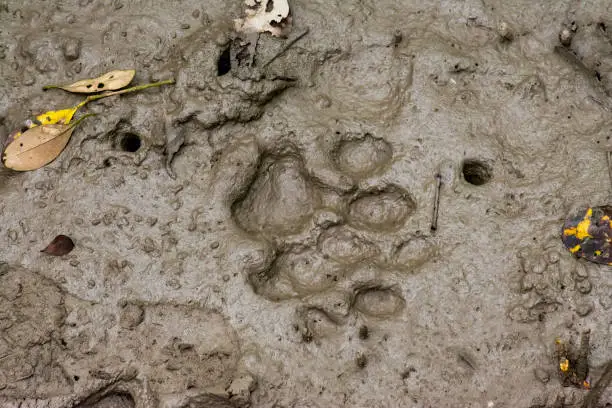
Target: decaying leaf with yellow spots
(573, 361)
(588, 235)
(61, 117)
(37, 146)
(111, 81)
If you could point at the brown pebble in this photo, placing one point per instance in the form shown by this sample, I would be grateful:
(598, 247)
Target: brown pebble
(61, 245)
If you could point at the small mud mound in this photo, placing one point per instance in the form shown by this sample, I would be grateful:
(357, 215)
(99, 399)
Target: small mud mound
(382, 210)
(281, 199)
(362, 157)
(378, 302)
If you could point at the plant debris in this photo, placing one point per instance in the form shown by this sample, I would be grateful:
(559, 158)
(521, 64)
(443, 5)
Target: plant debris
(40, 140)
(588, 235)
(37, 146)
(271, 16)
(61, 245)
(573, 362)
(111, 81)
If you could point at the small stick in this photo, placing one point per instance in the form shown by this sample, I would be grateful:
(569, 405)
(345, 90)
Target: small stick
(436, 208)
(609, 157)
(123, 91)
(286, 47)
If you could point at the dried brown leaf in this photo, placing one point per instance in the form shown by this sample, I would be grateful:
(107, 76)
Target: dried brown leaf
(61, 245)
(111, 81)
(36, 147)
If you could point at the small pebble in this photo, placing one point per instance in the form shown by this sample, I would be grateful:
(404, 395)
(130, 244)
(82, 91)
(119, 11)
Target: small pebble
(604, 301)
(505, 32)
(28, 79)
(131, 316)
(565, 37)
(174, 284)
(584, 308)
(221, 39)
(581, 272)
(323, 101)
(196, 13)
(214, 245)
(552, 257)
(72, 49)
(584, 286)
(540, 266)
(185, 26)
(542, 375)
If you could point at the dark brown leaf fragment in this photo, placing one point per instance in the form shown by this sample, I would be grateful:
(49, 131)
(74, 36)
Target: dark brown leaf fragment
(61, 245)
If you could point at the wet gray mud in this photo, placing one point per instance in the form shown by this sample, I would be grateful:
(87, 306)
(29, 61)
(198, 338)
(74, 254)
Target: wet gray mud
(259, 233)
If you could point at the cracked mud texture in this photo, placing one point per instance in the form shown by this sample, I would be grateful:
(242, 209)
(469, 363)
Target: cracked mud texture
(260, 236)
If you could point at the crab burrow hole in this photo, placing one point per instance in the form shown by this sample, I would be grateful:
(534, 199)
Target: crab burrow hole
(476, 172)
(128, 142)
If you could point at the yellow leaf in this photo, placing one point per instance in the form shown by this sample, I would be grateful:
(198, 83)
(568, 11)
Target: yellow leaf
(38, 146)
(63, 116)
(110, 81)
(564, 364)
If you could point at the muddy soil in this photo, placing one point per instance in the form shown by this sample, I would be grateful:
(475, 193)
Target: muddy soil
(259, 234)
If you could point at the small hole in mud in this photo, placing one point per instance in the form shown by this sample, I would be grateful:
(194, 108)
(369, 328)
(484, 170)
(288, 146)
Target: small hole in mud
(100, 85)
(476, 172)
(107, 162)
(130, 142)
(361, 361)
(224, 63)
(76, 378)
(88, 86)
(364, 332)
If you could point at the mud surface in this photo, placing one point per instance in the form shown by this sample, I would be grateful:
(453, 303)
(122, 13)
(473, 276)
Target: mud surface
(262, 237)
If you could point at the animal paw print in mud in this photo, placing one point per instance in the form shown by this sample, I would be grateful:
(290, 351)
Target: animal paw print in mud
(547, 282)
(318, 225)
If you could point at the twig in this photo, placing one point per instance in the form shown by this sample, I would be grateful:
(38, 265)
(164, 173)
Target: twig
(286, 47)
(609, 157)
(436, 208)
(123, 91)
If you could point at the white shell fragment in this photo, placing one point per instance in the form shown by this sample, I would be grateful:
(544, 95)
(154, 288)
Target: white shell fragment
(275, 21)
